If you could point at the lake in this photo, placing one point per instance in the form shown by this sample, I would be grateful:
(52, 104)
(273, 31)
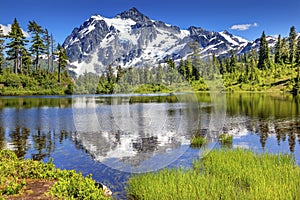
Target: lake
(115, 136)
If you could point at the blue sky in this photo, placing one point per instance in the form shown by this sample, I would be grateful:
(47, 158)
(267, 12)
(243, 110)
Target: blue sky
(247, 18)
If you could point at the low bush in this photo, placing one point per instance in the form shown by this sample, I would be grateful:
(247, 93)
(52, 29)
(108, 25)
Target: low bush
(14, 173)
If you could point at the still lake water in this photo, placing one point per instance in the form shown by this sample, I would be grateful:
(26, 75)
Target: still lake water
(113, 137)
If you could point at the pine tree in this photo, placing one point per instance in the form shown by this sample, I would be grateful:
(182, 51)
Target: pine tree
(110, 74)
(278, 51)
(285, 51)
(297, 53)
(120, 73)
(159, 74)
(197, 68)
(26, 62)
(62, 60)
(296, 87)
(147, 75)
(297, 59)
(47, 39)
(264, 54)
(233, 61)
(52, 53)
(292, 44)
(38, 47)
(181, 69)
(189, 69)
(2, 47)
(222, 67)
(16, 45)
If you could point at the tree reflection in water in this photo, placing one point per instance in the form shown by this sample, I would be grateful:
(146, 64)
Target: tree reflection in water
(36, 126)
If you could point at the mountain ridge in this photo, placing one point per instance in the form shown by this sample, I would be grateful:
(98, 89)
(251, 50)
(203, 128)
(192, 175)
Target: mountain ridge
(133, 39)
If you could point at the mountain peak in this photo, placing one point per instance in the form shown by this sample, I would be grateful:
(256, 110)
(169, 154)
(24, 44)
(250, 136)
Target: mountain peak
(134, 14)
(132, 39)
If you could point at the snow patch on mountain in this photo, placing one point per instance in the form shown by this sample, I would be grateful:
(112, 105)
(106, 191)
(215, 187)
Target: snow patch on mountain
(133, 39)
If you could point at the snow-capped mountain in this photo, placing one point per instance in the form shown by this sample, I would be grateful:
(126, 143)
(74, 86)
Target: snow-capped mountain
(133, 39)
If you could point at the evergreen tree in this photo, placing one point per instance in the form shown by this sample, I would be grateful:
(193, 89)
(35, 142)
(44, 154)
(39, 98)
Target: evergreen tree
(278, 51)
(264, 54)
(285, 51)
(2, 47)
(47, 39)
(233, 61)
(222, 67)
(147, 75)
(38, 47)
(292, 44)
(159, 74)
(26, 62)
(297, 53)
(181, 69)
(197, 67)
(52, 53)
(110, 74)
(189, 69)
(120, 73)
(16, 45)
(297, 59)
(62, 60)
(24, 56)
(170, 71)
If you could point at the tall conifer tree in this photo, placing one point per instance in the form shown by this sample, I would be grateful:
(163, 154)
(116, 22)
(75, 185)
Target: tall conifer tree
(2, 47)
(297, 59)
(47, 39)
(264, 54)
(38, 47)
(16, 45)
(278, 51)
(292, 44)
(62, 60)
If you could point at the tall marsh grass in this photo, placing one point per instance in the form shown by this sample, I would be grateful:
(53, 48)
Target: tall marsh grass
(223, 174)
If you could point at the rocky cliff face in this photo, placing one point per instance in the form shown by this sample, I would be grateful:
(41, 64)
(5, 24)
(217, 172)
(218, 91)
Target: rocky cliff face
(133, 39)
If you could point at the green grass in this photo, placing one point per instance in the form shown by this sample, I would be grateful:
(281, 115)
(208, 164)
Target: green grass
(225, 138)
(198, 141)
(223, 174)
(14, 173)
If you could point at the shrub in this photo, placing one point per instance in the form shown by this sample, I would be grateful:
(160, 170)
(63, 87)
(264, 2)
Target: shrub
(198, 141)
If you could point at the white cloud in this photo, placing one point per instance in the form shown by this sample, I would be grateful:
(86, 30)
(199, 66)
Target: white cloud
(243, 27)
(7, 29)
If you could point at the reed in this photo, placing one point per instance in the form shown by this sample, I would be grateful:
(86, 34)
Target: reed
(198, 141)
(225, 138)
(223, 174)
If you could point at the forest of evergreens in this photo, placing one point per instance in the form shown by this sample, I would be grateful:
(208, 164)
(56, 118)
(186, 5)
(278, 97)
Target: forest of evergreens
(268, 69)
(40, 67)
(33, 67)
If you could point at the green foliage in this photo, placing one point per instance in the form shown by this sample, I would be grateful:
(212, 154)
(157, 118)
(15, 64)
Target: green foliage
(198, 141)
(225, 138)
(2, 47)
(38, 47)
(264, 53)
(62, 60)
(68, 184)
(16, 45)
(76, 186)
(292, 44)
(223, 174)
(35, 84)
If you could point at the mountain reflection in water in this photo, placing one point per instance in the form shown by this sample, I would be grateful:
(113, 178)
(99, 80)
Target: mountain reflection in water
(112, 136)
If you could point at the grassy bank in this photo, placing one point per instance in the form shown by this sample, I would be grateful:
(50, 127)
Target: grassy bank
(17, 176)
(223, 174)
